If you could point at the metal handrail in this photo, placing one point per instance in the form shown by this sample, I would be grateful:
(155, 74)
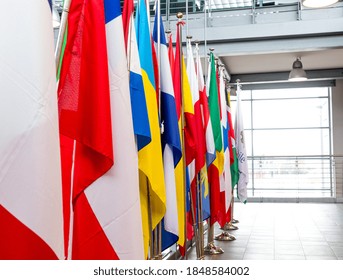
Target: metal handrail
(300, 175)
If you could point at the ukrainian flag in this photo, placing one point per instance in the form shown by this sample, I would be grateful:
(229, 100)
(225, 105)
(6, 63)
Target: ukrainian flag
(151, 177)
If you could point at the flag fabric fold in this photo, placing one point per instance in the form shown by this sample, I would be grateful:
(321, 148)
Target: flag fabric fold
(85, 118)
(215, 169)
(115, 196)
(208, 136)
(191, 144)
(140, 118)
(150, 157)
(31, 215)
(171, 143)
(180, 168)
(232, 146)
(225, 178)
(241, 151)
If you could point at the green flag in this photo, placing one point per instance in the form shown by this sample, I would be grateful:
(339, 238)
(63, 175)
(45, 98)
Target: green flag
(213, 104)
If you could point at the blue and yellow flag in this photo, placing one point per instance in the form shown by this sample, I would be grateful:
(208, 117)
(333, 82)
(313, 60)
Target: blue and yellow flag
(152, 186)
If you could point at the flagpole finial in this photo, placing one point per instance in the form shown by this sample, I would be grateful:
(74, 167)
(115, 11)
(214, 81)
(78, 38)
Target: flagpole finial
(168, 31)
(211, 49)
(179, 15)
(197, 42)
(238, 83)
(189, 37)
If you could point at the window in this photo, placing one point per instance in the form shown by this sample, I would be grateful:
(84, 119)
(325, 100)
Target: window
(288, 142)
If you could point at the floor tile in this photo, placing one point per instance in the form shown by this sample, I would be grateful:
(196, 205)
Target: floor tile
(338, 251)
(318, 250)
(307, 242)
(289, 250)
(227, 256)
(289, 257)
(334, 237)
(259, 250)
(310, 257)
(254, 256)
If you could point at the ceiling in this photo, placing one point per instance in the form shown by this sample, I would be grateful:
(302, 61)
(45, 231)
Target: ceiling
(279, 62)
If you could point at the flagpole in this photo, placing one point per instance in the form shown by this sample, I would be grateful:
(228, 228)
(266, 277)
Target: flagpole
(196, 234)
(151, 245)
(199, 195)
(58, 51)
(230, 225)
(233, 220)
(179, 15)
(200, 232)
(71, 215)
(61, 32)
(205, 35)
(226, 236)
(158, 10)
(186, 17)
(167, 13)
(210, 248)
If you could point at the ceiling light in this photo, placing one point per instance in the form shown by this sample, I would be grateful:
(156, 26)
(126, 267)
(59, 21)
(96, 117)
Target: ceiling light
(297, 73)
(318, 3)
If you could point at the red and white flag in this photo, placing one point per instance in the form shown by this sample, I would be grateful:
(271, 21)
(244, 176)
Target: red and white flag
(86, 130)
(31, 215)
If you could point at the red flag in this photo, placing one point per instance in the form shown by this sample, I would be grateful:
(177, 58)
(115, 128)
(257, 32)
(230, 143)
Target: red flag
(156, 76)
(171, 54)
(85, 117)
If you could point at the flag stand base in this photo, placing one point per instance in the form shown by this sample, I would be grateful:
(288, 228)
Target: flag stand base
(225, 236)
(212, 249)
(229, 226)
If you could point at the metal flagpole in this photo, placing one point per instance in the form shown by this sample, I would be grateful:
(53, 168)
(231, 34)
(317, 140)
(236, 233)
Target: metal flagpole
(199, 194)
(179, 15)
(158, 10)
(60, 38)
(233, 220)
(205, 35)
(151, 243)
(200, 217)
(211, 248)
(58, 51)
(192, 202)
(230, 225)
(187, 17)
(226, 236)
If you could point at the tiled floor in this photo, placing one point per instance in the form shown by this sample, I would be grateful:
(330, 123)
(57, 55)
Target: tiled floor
(283, 231)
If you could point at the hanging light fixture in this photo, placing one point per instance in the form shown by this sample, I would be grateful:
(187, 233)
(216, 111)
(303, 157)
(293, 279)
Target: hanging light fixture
(318, 3)
(297, 73)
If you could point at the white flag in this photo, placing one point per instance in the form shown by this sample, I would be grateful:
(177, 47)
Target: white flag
(241, 151)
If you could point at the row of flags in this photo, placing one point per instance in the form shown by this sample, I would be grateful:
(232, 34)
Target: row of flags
(92, 164)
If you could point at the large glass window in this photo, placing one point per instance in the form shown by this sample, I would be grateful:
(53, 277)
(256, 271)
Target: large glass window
(288, 141)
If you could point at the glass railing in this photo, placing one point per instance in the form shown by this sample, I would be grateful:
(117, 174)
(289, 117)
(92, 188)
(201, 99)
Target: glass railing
(295, 176)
